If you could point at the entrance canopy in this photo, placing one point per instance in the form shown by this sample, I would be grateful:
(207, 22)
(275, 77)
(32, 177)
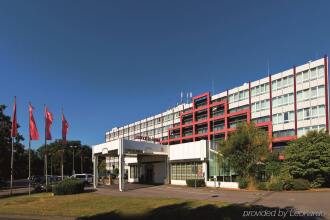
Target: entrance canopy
(122, 147)
(129, 147)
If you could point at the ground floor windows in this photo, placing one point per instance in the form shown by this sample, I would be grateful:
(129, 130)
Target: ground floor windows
(186, 170)
(220, 167)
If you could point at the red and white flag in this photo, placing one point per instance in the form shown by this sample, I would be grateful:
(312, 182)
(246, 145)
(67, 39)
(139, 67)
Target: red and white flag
(34, 134)
(14, 121)
(65, 126)
(48, 123)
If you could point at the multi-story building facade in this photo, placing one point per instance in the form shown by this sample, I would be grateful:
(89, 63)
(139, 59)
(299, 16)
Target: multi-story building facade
(286, 104)
(183, 138)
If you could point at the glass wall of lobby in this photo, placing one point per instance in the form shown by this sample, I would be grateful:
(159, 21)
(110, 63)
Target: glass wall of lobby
(219, 168)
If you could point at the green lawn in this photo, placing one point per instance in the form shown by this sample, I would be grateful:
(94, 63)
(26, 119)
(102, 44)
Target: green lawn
(88, 204)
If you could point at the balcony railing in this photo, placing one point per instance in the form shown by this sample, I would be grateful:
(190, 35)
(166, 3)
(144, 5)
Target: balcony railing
(174, 136)
(218, 127)
(218, 113)
(201, 131)
(201, 117)
(187, 134)
(187, 121)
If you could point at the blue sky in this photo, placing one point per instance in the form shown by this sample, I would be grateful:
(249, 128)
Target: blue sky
(108, 63)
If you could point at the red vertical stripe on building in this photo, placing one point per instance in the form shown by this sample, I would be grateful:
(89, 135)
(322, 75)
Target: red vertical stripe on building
(270, 99)
(326, 91)
(249, 96)
(270, 127)
(295, 99)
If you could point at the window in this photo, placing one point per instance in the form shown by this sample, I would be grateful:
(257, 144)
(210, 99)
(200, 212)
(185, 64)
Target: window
(300, 115)
(313, 73)
(307, 113)
(158, 121)
(274, 85)
(286, 117)
(321, 91)
(134, 171)
(305, 76)
(299, 78)
(321, 110)
(313, 92)
(320, 73)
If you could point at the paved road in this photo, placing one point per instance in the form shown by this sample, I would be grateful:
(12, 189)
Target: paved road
(306, 201)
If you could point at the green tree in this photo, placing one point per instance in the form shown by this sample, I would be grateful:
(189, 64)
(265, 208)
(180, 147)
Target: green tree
(246, 148)
(308, 157)
(82, 156)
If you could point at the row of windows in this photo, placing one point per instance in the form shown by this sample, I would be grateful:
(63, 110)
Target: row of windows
(261, 119)
(282, 83)
(314, 73)
(283, 133)
(283, 100)
(260, 105)
(143, 125)
(312, 112)
(188, 170)
(284, 117)
(311, 93)
(238, 96)
(260, 89)
(303, 131)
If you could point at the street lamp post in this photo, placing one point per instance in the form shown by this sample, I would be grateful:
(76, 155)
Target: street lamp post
(73, 147)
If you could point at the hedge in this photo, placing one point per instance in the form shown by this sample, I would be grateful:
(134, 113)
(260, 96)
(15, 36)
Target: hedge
(275, 186)
(296, 184)
(262, 186)
(199, 182)
(68, 186)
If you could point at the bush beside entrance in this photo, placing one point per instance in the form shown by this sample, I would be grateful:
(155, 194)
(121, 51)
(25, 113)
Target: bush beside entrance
(198, 182)
(68, 186)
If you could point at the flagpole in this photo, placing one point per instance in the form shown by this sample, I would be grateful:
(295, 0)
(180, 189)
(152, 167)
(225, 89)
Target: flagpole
(30, 165)
(62, 154)
(46, 165)
(13, 134)
(12, 166)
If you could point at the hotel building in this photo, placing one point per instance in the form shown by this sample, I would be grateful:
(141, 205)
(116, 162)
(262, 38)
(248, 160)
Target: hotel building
(286, 105)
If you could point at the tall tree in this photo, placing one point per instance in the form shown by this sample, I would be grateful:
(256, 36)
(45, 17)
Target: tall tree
(308, 157)
(245, 148)
(59, 147)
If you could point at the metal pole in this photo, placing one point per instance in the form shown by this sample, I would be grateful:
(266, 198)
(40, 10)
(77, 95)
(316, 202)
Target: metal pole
(46, 162)
(73, 172)
(62, 162)
(29, 166)
(51, 164)
(12, 166)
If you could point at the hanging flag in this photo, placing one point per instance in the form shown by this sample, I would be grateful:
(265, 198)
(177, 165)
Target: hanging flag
(34, 134)
(14, 121)
(65, 126)
(48, 123)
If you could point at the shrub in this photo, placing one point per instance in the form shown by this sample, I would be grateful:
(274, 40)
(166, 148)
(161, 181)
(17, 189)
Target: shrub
(318, 182)
(262, 186)
(199, 182)
(242, 182)
(68, 186)
(296, 184)
(275, 186)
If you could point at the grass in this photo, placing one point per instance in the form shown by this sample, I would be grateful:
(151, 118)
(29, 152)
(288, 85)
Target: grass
(89, 204)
